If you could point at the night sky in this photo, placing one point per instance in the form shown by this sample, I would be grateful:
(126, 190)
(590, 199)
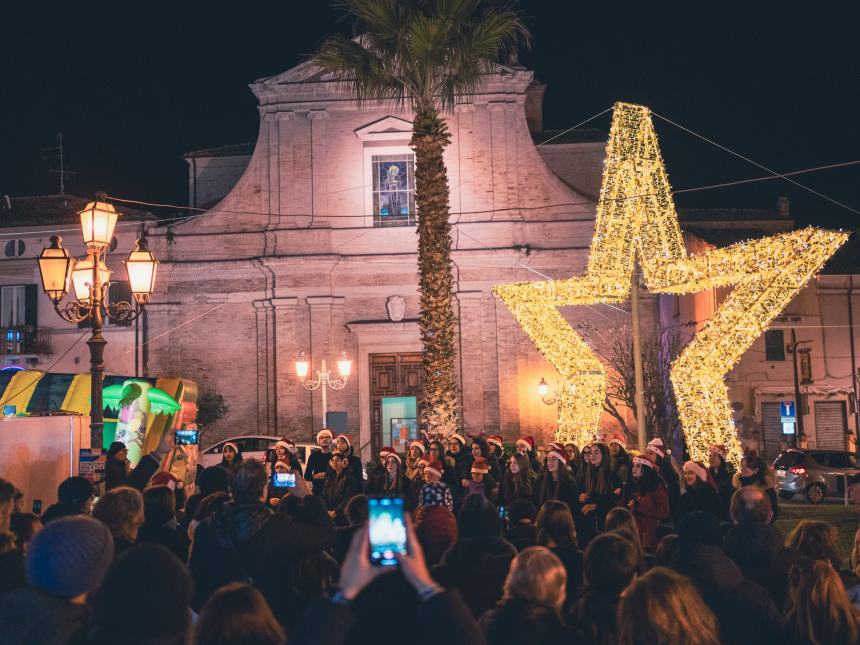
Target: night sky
(133, 85)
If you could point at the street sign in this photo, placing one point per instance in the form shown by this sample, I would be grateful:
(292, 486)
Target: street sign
(787, 417)
(786, 409)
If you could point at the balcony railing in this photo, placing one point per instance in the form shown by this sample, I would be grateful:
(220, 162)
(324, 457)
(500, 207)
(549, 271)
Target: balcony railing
(25, 339)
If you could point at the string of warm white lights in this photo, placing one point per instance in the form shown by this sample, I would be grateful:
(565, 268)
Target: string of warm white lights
(766, 273)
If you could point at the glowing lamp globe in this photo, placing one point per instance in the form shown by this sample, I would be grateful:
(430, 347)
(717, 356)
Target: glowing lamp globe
(344, 365)
(82, 277)
(98, 220)
(55, 268)
(302, 366)
(543, 388)
(141, 267)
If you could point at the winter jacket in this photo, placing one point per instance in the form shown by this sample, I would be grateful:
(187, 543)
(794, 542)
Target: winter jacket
(508, 492)
(339, 489)
(515, 622)
(725, 488)
(12, 575)
(760, 552)
(594, 522)
(115, 473)
(522, 536)
(595, 615)
(250, 543)
(767, 484)
(167, 534)
(700, 497)
(650, 509)
(567, 492)
(317, 463)
(622, 466)
(572, 559)
(745, 612)
(28, 616)
(477, 567)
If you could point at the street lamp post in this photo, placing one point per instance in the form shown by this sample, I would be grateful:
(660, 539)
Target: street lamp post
(323, 379)
(90, 278)
(543, 390)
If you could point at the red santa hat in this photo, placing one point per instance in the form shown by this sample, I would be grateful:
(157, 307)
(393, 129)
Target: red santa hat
(480, 465)
(657, 446)
(527, 442)
(435, 467)
(165, 478)
(386, 450)
(496, 440)
(643, 462)
(619, 439)
(557, 450)
(458, 437)
(720, 449)
(282, 463)
(323, 433)
(419, 445)
(698, 468)
(599, 438)
(232, 445)
(287, 445)
(345, 438)
(395, 455)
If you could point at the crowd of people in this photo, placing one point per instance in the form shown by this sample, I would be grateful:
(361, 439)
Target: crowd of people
(506, 544)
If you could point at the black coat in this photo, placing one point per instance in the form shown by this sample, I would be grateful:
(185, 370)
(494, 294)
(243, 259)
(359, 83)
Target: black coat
(572, 560)
(516, 622)
(317, 463)
(698, 498)
(115, 473)
(595, 614)
(247, 542)
(35, 618)
(760, 551)
(745, 612)
(567, 492)
(12, 574)
(338, 490)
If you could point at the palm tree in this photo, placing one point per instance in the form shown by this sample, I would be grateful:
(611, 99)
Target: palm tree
(424, 54)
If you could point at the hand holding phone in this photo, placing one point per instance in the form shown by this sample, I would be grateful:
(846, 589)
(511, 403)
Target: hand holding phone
(284, 480)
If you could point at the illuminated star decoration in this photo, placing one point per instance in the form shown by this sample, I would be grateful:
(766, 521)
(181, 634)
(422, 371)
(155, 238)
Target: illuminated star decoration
(636, 218)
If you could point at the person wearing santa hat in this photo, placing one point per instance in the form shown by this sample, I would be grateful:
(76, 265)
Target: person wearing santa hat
(480, 449)
(343, 444)
(377, 472)
(458, 454)
(285, 450)
(722, 471)
(526, 446)
(700, 492)
(481, 481)
(556, 482)
(395, 483)
(413, 455)
(231, 455)
(649, 502)
(661, 456)
(436, 451)
(318, 461)
(601, 491)
(496, 443)
(622, 464)
(434, 492)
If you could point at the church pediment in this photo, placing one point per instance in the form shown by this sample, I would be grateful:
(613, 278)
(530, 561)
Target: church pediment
(305, 72)
(390, 128)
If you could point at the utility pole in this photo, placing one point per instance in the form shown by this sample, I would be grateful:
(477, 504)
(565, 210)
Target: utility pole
(798, 405)
(637, 362)
(58, 149)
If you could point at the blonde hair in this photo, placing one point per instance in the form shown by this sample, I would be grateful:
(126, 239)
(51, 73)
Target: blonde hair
(664, 608)
(536, 576)
(819, 610)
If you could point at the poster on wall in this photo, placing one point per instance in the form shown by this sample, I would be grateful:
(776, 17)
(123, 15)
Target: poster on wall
(91, 464)
(403, 430)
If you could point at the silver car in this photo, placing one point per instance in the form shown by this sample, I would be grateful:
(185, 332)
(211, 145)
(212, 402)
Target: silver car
(815, 473)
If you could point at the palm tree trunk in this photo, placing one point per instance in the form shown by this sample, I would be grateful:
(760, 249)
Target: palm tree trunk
(438, 320)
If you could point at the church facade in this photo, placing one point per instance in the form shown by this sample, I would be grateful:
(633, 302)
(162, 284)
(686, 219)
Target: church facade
(314, 250)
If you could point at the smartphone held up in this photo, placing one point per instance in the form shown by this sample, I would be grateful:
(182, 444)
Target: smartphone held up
(387, 529)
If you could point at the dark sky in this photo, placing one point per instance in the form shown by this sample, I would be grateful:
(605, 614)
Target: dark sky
(133, 85)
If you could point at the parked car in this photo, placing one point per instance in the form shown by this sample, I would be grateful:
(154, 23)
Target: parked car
(815, 473)
(252, 446)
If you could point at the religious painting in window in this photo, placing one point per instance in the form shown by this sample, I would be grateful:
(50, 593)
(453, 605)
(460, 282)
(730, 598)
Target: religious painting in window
(393, 190)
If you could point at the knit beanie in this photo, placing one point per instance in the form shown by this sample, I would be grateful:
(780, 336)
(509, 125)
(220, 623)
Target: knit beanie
(144, 597)
(213, 480)
(74, 491)
(69, 556)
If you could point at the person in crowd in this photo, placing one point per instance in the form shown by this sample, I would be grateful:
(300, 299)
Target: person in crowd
(557, 532)
(117, 467)
(556, 483)
(482, 482)
(459, 456)
(661, 456)
(609, 565)
(745, 612)
(343, 445)
(665, 550)
(159, 523)
(285, 450)
(649, 502)
(521, 530)
(356, 515)
(700, 492)
(854, 590)
(211, 480)
(621, 463)
(317, 467)
(481, 450)
(413, 455)
(757, 546)
(370, 605)
(435, 523)
(518, 482)
(396, 483)
(819, 611)
(820, 541)
(11, 557)
(74, 495)
(664, 608)
(574, 459)
(207, 507)
(478, 562)
(526, 446)
(722, 471)
(65, 564)
(144, 598)
(24, 527)
(245, 540)
(602, 490)
(276, 493)
(340, 486)
(530, 609)
(378, 473)
(121, 510)
(496, 444)
(755, 472)
(436, 451)
(237, 614)
(622, 521)
(231, 456)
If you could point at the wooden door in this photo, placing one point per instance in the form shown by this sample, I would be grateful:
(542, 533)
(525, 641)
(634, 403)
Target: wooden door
(391, 375)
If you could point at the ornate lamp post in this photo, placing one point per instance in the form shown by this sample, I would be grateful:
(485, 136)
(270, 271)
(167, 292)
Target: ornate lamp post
(90, 278)
(323, 379)
(543, 390)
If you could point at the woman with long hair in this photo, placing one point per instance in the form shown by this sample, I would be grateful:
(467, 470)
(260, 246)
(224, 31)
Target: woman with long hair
(661, 457)
(557, 532)
(413, 455)
(286, 451)
(649, 502)
(238, 613)
(819, 612)
(755, 472)
(664, 608)
(700, 492)
(518, 481)
(601, 491)
(230, 455)
(722, 472)
(556, 482)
